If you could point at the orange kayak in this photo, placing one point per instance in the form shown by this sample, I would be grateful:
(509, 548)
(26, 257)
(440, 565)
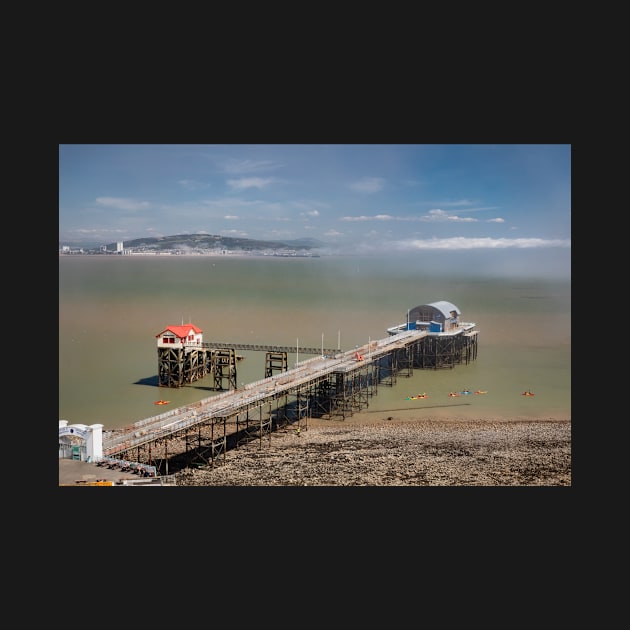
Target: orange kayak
(161, 402)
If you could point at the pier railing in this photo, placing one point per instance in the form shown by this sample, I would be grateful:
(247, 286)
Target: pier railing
(210, 345)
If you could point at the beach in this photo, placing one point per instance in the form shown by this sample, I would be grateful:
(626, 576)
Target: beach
(372, 450)
(396, 451)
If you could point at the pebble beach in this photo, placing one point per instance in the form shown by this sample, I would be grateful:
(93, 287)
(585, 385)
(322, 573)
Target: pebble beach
(399, 451)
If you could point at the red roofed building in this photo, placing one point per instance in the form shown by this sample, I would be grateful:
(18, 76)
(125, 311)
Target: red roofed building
(178, 336)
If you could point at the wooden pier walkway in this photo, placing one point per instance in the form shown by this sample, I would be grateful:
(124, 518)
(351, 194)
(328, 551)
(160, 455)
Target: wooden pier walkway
(256, 394)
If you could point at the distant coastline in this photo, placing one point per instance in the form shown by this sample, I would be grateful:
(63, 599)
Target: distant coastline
(188, 254)
(196, 244)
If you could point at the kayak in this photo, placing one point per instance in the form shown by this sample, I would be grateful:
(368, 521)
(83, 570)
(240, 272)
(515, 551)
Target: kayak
(528, 394)
(465, 391)
(453, 395)
(161, 402)
(479, 391)
(417, 397)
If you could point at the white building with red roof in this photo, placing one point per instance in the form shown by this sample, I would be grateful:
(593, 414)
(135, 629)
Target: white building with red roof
(180, 336)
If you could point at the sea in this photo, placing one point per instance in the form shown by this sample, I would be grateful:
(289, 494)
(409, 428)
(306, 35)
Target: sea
(112, 308)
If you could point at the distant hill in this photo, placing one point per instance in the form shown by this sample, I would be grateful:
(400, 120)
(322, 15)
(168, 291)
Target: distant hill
(212, 242)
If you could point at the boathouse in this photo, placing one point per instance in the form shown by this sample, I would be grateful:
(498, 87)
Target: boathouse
(448, 341)
(436, 317)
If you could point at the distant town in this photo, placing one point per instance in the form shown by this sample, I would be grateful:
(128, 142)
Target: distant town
(195, 245)
(68, 251)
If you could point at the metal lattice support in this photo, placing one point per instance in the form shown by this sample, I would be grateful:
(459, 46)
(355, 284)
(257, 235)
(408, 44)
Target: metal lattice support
(205, 445)
(276, 362)
(302, 409)
(170, 367)
(319, 393)
(352, 390)
(445, 352)
(179, 366)
(389, 371)
(339, 403)
(254, 427)
(361, 387)
(470, 341)
(224, 367)
(194, 365)
(373, 379)
(405, 360)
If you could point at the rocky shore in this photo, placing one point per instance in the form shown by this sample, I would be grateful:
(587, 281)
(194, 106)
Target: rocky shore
(399, 452)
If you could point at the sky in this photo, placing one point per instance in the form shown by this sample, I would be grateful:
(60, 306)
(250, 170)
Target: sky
(354, 198)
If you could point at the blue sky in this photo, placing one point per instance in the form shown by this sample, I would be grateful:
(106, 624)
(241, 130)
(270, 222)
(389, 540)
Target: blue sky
(355, 198)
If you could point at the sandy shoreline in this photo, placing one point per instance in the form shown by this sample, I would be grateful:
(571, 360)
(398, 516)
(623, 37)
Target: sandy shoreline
(372, 450)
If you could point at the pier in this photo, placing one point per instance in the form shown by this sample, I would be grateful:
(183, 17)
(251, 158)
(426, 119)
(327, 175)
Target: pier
(185, 362)
(334, 384)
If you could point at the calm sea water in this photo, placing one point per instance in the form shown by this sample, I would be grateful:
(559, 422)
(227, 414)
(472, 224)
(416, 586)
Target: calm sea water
(111, 309)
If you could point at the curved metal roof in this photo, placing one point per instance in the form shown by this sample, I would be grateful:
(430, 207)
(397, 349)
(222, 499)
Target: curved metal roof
(445, 308)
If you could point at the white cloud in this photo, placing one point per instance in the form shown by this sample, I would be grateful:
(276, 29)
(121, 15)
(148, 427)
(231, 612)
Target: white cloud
(368, 185)
(97, 231)
(250, 182)
(191, 184)
(434, 216)
(460, 242)
(439, 216)
(376, 217)
(247, 166)
(122, 204)
(457, 204)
